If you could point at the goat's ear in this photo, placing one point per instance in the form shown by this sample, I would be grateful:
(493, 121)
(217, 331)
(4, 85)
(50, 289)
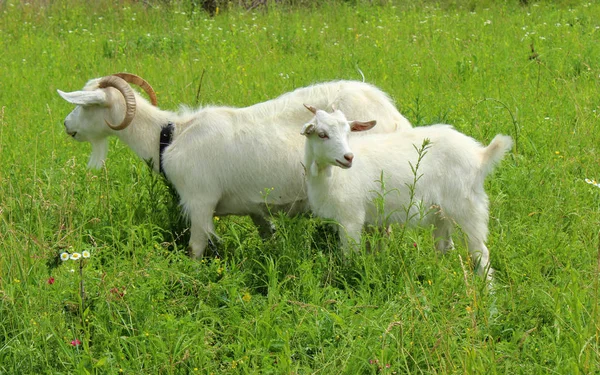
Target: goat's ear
(359, 126)
(308, 128)
(84, 97)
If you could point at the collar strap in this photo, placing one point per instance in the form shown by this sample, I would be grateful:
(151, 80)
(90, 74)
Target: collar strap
(166, 136)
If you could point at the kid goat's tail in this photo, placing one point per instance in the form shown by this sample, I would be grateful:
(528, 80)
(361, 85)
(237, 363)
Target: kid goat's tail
(494, 152)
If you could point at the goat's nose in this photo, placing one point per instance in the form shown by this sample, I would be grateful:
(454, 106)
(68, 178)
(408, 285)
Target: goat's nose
(349, 156)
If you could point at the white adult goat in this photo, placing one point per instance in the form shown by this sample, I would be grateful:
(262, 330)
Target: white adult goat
(221, 160)
(449, 187)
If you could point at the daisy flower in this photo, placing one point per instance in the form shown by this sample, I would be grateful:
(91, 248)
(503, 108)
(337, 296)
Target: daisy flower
(75, 256)
(592, 182)
(64, 256)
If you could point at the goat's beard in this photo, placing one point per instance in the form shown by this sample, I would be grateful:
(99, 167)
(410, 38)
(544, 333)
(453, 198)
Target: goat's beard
(99, 152)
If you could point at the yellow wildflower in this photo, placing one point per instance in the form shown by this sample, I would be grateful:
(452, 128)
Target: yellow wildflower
(246, 297)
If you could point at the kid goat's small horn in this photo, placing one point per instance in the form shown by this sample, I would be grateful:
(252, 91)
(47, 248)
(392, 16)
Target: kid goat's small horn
(311, 108)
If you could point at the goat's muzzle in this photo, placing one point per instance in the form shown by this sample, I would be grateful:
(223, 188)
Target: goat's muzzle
(348, 161)
(344, 165)
(69, 132)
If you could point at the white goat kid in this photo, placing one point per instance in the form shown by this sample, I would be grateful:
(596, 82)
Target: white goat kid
(450, 186)
(221, 160)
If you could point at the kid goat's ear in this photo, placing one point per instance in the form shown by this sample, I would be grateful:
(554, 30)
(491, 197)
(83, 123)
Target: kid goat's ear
(308, 128)
(359, 126)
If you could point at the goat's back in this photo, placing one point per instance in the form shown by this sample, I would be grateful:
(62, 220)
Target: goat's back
(358, 101)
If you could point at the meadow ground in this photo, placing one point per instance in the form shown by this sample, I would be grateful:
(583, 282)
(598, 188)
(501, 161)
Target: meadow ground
(292, 304)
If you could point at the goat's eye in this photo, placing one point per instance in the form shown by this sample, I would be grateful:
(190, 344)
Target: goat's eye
(323, 136)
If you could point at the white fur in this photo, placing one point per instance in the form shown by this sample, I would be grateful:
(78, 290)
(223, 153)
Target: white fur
(450, 188)
(226, 160)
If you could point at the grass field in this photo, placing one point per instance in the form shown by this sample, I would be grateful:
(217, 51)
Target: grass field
(292, 305)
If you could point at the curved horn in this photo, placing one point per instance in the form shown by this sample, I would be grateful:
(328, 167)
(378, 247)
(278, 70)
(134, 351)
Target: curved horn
(130, 104)
(137, 80)
(311, 108)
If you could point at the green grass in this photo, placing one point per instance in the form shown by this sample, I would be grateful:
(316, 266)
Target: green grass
(292, 304)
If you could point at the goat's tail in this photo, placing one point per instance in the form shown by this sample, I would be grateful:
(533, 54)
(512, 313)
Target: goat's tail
(494, 152)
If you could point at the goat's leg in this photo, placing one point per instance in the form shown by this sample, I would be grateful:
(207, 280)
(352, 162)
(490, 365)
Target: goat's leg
(442, 234)
(202, 227)
(350, 234)
(264, 226)
(481, 257)
(475, 229)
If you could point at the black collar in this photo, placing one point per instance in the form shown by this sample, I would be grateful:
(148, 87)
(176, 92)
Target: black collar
(166, 136)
